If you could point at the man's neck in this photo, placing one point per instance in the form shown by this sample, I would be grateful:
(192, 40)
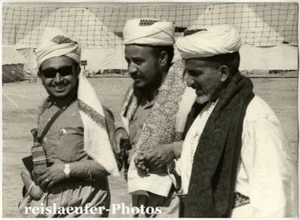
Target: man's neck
(150, 91)
(64, 102)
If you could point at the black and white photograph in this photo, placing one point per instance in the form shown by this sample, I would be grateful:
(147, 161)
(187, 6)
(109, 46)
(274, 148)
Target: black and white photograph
(172, 109)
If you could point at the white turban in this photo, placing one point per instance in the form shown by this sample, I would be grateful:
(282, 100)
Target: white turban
(209, 42)
(149, 32)
(55, 43)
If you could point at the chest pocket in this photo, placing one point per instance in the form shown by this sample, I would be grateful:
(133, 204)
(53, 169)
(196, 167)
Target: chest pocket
(71, 144)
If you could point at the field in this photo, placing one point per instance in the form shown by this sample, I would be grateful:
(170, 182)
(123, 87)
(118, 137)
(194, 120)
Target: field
(19, 109)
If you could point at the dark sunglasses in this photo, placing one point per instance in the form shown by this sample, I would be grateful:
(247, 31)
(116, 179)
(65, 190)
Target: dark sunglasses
(51, 73)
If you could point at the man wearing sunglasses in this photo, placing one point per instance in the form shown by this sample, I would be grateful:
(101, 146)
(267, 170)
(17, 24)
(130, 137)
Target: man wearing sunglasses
(60, 82)
(76, 144)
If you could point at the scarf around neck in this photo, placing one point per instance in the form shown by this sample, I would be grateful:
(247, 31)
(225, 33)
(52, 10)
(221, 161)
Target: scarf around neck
(214, 170)
(167, 119)
(164, 125)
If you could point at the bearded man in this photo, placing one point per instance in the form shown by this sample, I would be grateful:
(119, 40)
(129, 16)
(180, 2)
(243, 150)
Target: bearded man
(236, 160)
(154, 113)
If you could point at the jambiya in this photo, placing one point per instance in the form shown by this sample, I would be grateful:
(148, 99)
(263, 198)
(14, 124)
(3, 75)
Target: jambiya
(39, 161)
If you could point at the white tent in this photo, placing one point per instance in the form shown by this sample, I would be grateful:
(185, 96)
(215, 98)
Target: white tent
(31, 66)
(106, 58)
(12, 65)
(254, 29)
(102, 49)
(263, 43)
(280, 57)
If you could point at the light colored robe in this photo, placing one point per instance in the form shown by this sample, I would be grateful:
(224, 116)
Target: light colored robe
(267, 172)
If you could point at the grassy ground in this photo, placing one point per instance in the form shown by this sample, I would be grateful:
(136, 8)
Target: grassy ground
(20, 102)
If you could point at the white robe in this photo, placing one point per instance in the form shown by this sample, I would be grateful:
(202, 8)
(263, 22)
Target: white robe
(267, 172)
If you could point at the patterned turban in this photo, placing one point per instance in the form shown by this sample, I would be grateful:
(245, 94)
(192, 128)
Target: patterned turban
(149, 32)
(55, 43)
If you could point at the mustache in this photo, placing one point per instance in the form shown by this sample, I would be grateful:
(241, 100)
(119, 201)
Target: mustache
(136, 76)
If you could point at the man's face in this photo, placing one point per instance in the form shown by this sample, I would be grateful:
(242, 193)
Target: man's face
(204, 78)
(143, 66)
(59, 76)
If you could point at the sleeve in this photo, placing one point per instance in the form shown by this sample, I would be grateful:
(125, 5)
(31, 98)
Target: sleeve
(41, 109)
(110, 124)
(173, 168)
(87, 169)
(270, 169)
(174, 174)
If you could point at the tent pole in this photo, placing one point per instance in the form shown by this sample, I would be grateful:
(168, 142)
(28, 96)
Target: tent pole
(15, 36)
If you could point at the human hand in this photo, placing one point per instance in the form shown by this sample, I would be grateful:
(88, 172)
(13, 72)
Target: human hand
(140, 164)
(119, 136)
(144, 169)
(130, 154)
(158, 158)
(53, 174)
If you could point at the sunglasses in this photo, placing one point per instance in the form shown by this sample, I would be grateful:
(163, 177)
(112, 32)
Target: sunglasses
(51, 73)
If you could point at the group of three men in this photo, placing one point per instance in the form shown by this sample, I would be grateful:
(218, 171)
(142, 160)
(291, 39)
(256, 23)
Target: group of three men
(203, 145)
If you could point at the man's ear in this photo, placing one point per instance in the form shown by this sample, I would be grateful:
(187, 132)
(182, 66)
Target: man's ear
(225, 72)
(163, 58)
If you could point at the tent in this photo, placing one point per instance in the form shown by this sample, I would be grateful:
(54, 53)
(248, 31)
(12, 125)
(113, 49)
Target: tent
(12, 65)
(280, 57)
(261, 25)
(102, 50)
(31, 66)
(255, 28)
(267, 45)
(106, 58)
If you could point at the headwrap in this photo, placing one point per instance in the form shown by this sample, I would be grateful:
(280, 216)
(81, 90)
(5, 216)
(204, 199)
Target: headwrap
(165, 125)
(55, 43)
(209, 41)
(96, 139)
(217, 156)
(149, 31)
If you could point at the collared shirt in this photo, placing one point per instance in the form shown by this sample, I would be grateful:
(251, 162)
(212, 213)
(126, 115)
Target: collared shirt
(87, 184)
(267, 171)
(190, 145)
(141, 114)
(64, 139)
